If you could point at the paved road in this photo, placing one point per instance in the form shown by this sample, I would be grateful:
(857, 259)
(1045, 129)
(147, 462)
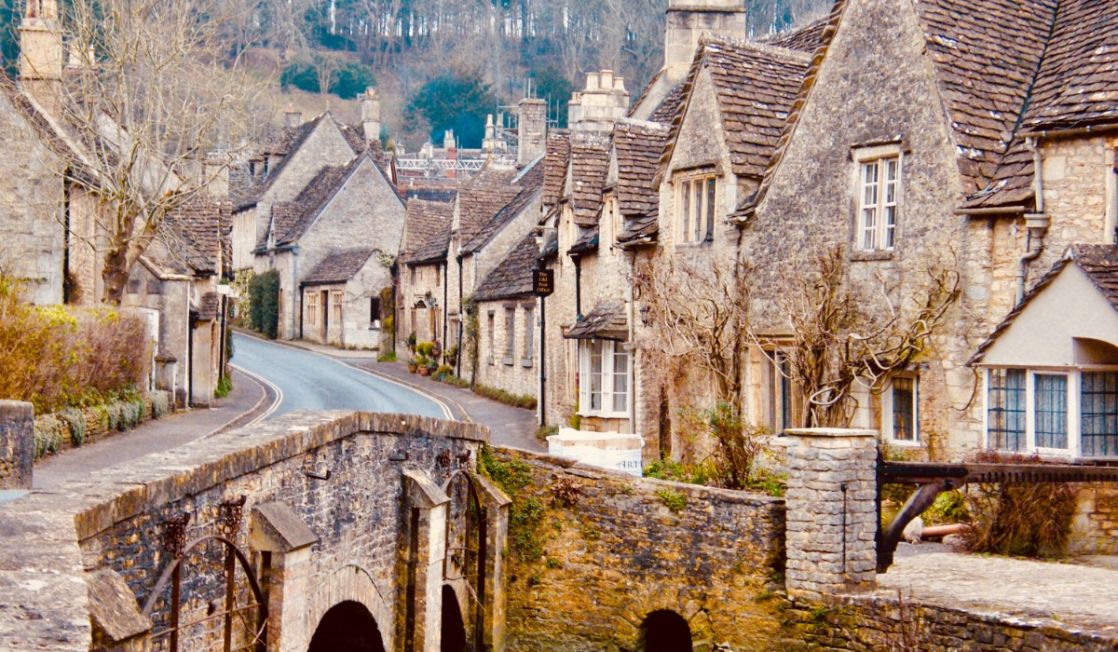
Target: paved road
(310, 381)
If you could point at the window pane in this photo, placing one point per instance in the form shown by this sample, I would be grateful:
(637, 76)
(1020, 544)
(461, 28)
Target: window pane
(595, 375)
(890, 225)
(697, 221)
(1006, 409)
(869, 228)
(620, 379)
(686, 211)
(510, 332)
(1051, 410)
(1099, 414)
(712, 186)
(904, 409)
(529, 334)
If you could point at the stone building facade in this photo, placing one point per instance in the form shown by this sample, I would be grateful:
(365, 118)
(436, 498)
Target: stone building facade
(348, 291)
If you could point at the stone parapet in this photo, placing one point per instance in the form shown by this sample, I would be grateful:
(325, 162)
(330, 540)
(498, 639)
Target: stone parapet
(831, 512)
(17, 444)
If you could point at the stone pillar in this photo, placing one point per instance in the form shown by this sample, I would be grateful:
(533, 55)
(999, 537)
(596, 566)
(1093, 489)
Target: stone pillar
(427, 514)
(17, 444)
(496, 505)
(831, 512)
(277, 530)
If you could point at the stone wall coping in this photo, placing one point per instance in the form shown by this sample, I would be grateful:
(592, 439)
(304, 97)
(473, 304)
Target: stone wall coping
(16, 410)
(830, 432)
(113, 495)
(593, 472)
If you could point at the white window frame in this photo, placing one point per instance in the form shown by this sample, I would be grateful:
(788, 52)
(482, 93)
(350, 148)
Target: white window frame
(878, 159)
(529, 353)
(337, 303)
(887, 405)
(312, 309)
(609, 349)
(689, 232)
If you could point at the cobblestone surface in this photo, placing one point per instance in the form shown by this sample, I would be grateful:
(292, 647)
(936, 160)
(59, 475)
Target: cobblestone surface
(1074, 594)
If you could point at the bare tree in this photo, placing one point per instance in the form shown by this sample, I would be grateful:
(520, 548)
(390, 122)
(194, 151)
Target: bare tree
(698, 314)
(153, 95)
(846, 335)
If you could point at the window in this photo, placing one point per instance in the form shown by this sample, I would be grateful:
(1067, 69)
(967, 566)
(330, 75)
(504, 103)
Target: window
(510, 335)
(411, 276)
(336, 306)
(529, 336)
(1098, 405)
(698, 200)
(374, 312)
(1050, 409)
(491, 335)
(900, 411)
(438, 275)
(879, 192)
(1005, 410)
(604, 389)
(312, 308)
(776, 392)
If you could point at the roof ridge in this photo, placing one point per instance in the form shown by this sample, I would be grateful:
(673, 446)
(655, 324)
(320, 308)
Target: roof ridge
(746, 44)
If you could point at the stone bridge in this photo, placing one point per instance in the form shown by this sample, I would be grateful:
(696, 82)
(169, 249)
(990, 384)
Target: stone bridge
(312, 532)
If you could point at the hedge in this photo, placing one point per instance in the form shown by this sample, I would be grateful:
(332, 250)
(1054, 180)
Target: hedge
(263, 303)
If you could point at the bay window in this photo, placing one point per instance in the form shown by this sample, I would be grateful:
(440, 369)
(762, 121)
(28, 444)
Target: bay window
(1062, 412)
(605, 378)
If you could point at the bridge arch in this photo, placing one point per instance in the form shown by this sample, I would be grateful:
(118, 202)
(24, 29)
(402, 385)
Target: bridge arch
(353, 583)
(664, 630)
(347, 626)
(453, 630)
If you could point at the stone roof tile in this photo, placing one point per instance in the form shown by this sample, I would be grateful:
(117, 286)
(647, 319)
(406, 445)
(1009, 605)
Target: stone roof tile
(338, 267)
(589, 165)
(606, 321)
(555, 166)
(512, 278)
(529, 183)
(427, 231)
(638, 147)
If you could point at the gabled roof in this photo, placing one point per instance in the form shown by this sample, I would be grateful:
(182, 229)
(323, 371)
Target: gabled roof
(512, 278)
(756, 86)
(481, 198)
(638, 147)
(193, 237)
(427, 231)
(1098, 262)
(805, 39)
(530, 183)
(589, 165)
(555, 166)
(50, 132)
(338, 267)
(606, 321)
(289, 142)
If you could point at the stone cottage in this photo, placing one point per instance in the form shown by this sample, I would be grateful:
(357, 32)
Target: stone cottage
(422, 289)
(344, 298)
(341, 210)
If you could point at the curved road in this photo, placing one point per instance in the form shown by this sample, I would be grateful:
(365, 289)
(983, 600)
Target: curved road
(310, 381)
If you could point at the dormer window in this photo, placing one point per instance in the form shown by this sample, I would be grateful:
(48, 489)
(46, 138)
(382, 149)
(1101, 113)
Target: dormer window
(879, 192)
(697, 200)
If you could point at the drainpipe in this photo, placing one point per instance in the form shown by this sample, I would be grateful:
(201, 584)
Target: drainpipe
(1036, 223)
(578, 287)
(297, 292)
(446, 311)
(632, 308)
(461, 321)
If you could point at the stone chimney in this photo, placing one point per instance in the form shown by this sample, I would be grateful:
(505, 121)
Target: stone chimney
(292, 118)
(489, 143)
(370, 115)
(215, 175)
(41, 55)
(602, 103)
(531, 131)
(688, 21)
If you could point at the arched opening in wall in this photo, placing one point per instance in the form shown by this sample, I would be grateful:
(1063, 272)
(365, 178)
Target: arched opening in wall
(347, 627)
(665, 631)
(466, 552)
(453, 627)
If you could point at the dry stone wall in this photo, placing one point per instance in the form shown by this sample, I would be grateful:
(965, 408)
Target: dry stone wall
(593, 553)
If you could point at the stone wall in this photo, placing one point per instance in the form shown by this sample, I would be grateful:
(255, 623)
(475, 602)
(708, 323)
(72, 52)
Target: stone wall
(864, 623)
(613, 549)
(1095, 526)
(518, 374)
(17, 448)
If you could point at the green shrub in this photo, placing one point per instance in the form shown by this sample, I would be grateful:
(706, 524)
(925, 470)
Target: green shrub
(75, 420)
(56, 357)
(351, 80)
(50, 433)
(425, 349)
(263, 310)
(526, 512)
(451, 379)
(224, 386)
(160, 404)
(672, 499)
(516, 400)
(387, 356)
(302, 75)
(543, 432)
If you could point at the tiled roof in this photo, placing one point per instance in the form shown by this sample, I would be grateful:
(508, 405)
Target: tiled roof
(606, 321)
(588, 241)
(481, 198)
(555, 166)
(209, 307)
(427, 229)
(589, 164)
(338, 267)
(805, 39)
(512, 278)
(529, 183)
(985, 54)
(289, 142)
(193, 235)
(1078, 82)
(666, 112)
(756, 86)
(638, 147)
(1098, 262)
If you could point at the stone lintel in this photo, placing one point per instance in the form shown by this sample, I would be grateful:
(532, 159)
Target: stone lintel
(113, 607)
(422, 490)
(277, 528)
(491, 494)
